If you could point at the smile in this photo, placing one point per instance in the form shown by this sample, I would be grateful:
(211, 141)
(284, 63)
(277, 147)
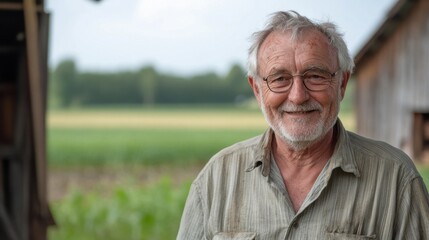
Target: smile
(300, 112)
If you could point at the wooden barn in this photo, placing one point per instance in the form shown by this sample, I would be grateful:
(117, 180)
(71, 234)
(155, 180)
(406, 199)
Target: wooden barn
(392, 80)
(24, 211)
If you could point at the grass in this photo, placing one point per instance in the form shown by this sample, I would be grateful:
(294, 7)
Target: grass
(84, 147)
(109, 137)
(146, 135)
(131, 212)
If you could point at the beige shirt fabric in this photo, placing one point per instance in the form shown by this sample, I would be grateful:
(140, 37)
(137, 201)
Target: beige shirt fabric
(367, 190)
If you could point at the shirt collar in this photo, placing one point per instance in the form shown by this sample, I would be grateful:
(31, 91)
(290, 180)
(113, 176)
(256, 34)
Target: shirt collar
(343, 154)
(341, 158)
(263, 153)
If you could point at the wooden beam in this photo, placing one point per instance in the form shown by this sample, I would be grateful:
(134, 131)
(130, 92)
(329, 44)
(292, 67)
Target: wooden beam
(36, 99)
(11, 6)
(16, 7)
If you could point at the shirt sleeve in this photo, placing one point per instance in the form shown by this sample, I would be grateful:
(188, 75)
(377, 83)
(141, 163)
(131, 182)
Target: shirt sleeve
(413, 212)
(192, 223)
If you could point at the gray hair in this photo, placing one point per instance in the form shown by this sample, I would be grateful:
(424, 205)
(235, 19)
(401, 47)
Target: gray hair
(294, 22)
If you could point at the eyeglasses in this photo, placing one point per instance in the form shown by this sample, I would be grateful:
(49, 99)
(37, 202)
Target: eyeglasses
(314, 79)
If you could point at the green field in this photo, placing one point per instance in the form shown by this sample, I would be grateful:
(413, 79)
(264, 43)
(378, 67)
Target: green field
(148, 136)
(137, 139)
(129, 212)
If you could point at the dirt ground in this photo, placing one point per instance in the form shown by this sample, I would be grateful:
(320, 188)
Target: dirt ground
(62, 181)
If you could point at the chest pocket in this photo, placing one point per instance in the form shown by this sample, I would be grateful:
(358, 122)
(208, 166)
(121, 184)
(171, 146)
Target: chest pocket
(235, 236)
(347, 236)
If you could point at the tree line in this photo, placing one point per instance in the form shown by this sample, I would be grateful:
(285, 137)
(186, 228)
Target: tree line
(146, 86)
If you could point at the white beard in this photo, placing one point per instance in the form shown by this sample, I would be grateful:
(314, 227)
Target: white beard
(306, 135)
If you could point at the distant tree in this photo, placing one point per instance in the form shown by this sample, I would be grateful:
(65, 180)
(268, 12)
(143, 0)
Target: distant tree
(65, 76)
(108, 88)
(148, 78)
(171, 88)
(206, 88)
(53, 97)
(147, 86)
(237, 83)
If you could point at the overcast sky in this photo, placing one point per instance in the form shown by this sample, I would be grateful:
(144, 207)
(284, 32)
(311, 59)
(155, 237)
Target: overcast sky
(186, 36)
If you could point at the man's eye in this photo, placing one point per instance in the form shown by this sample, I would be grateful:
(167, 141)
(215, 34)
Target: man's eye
(315, 76)
(281, 79)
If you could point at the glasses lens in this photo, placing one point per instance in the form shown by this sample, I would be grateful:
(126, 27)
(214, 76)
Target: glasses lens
(280, 82)
(317, 80)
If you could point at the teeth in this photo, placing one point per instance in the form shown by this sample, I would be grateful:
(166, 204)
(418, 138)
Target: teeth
(300, 111)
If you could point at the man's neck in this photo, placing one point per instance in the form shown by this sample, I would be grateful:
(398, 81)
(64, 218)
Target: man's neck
(300, 169)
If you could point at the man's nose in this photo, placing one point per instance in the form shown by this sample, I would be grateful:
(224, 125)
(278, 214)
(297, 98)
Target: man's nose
(298, 92)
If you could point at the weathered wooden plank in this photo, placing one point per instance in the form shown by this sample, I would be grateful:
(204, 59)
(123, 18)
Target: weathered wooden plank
(36, 98)
(15, 6)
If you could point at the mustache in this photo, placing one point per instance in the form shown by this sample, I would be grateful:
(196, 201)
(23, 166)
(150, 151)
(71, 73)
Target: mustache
(308, 106)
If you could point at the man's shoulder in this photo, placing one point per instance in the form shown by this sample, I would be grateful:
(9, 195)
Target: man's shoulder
(380, 152)
(376, 147)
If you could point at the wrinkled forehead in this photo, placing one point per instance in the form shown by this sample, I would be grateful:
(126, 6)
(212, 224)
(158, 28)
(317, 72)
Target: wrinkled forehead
(277, 44)
(301, 35)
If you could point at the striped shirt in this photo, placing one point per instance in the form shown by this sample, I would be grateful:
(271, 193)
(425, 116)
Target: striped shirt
(367, 190)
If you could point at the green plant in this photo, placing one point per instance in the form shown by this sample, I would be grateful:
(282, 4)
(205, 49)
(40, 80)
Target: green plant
(132, 212)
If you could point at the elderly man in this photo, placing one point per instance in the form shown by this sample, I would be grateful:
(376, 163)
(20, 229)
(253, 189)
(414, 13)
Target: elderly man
(306, 177)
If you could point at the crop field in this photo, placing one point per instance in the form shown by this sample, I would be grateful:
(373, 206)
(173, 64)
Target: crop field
(117, 137)
(124, 173)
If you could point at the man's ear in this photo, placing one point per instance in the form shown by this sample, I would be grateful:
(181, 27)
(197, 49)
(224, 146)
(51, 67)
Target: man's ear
(255, 87)
(345, 80)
